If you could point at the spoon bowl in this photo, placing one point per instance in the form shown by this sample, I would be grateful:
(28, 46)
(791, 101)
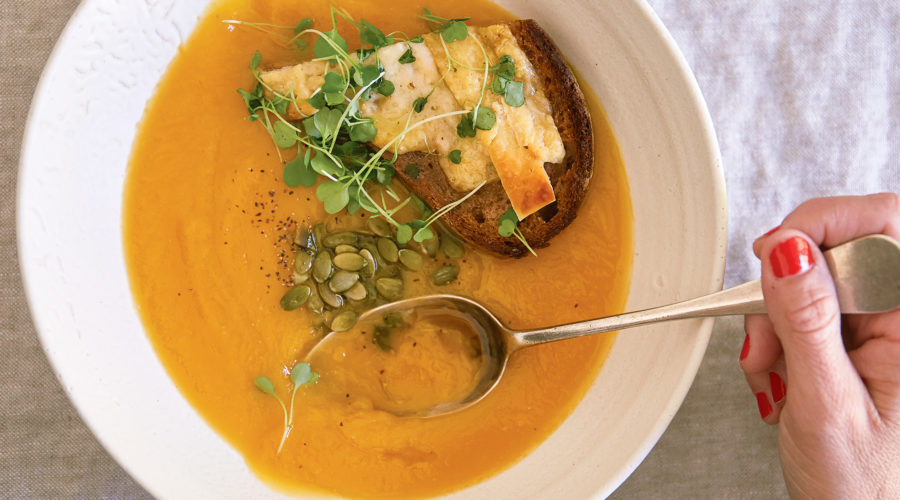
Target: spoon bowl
(866, 273)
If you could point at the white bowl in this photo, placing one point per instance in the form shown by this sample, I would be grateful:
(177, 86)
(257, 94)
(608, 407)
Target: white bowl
(74, 157)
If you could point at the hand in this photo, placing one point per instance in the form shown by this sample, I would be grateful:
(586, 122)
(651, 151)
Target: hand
(831, 383)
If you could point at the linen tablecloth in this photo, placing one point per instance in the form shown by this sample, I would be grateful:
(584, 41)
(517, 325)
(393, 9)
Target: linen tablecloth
(805, 101)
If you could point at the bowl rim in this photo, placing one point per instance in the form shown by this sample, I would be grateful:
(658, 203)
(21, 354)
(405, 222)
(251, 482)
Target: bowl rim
(717, 277)
(697, 104)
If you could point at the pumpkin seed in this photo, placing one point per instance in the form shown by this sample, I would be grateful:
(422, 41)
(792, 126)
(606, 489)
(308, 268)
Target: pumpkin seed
(410, 259)
(350, 261)
(389, 271)
(295, 297)
(362, 266)
(357, 292)
(445, 275)
(380, 227)
(388, 249)
(414, 245)
(371, 295)
(371, 265)
(343, 281)
(390, 288)
(303, 262)
(451, 247)
(382, 337)
(431, 246)
(319, 234)
(343, 321)
(393, 320)
(326, 317)
(329, 297)
(345, 249)
(373, 250)
(304, 238)
(342, 238)
(315, 303)
(321, 268)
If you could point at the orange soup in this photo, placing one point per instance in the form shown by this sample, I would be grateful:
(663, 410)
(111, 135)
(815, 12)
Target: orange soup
(207, 233)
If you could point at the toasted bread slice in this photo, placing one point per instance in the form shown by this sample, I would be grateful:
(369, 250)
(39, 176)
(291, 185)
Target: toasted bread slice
(476, 220)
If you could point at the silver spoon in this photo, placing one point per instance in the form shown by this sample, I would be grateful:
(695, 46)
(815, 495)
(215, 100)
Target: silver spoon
(866, 273)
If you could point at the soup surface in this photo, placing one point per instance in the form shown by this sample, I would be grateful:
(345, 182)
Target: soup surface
(207, 233)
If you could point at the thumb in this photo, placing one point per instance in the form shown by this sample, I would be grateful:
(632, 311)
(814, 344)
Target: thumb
(803, 306)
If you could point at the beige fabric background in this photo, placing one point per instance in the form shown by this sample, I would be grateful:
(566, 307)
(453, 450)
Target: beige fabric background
(45, 449)
(804, 98)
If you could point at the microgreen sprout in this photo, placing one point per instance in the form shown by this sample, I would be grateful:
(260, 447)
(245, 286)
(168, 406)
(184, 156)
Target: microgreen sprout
(513, 91)
(478, 117)
(451, 30)
(509, 226)
(301, 375)
(333, 143)
(412, 170)
(421, 206)
(407, 57)
(276, 30)
(384, 330)
(421, 227)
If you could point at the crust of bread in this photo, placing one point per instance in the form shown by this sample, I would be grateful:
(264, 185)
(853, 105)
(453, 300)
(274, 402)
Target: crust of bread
(476, 219)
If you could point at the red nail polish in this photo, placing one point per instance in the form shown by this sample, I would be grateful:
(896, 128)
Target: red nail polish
(791, 256)
(770, 232)
(765, 409)
(746, 349)
(779, 390)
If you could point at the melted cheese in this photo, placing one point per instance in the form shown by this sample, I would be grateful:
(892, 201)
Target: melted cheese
(523, 138)
(299, 81)
(476, 165)
(393, 114)
(514, 150)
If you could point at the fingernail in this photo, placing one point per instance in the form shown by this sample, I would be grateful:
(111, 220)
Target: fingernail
(746, 349)
(779, 390)
(770, 232)
(791, 256)
(765, 409)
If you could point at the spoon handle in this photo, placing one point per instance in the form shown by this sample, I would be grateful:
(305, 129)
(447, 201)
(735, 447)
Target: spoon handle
(742, 299)
(866, 274)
